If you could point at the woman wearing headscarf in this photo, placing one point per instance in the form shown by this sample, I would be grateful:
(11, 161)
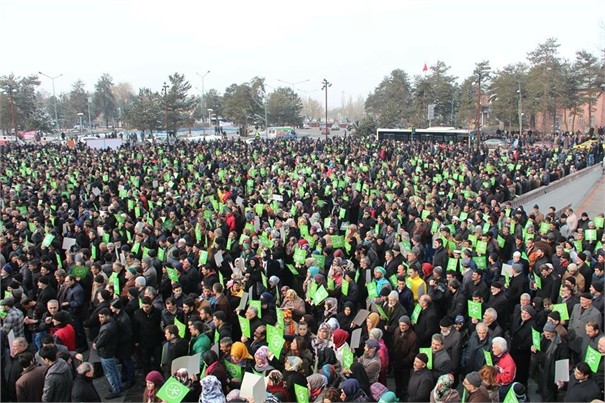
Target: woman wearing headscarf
(216, 368)
(339, 341)
(182, 375)
(290, 326)
(254, 278)
(294, 303)
(383, 353)
(359, 373)
(345, 318)
(261, 361)
(372, 322)
(323, 338)
(443, 391)
(240, 356)
(276, 386)
(351, 392)
(317, 387)
(298, 348)
(293, 374)
(211, 390)
(153, 382)
(268, 314)
(330, 309)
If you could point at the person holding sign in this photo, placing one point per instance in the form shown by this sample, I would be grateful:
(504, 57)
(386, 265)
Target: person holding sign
(505, 365)
(582, 386)
(552, 349)
(476, 392)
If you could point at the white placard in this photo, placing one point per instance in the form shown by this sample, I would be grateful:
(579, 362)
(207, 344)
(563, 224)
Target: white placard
(253, 386)
(191, 362)
(355, 338)
(68, 243)
(361, 317)
(96, 191)
(218, 258)
(508, 269)
(562, 370)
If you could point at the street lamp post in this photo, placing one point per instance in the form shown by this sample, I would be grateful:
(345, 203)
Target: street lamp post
(520, 112)
(202, 76)
(325, 85)
(54, 97)
(81, 115)
(89, 119)
(478, 112)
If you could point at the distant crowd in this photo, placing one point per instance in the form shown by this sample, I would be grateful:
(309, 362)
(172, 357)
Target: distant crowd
(328, 270)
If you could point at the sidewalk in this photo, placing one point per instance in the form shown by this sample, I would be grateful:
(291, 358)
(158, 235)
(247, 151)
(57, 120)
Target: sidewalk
(594, 202)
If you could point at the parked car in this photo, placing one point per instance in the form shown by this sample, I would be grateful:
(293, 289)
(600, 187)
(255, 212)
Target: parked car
(496, 143)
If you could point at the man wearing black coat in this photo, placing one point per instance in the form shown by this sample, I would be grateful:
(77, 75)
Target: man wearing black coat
(84, 390)
(106, 345)
(421, 381)
(125, 343)
(427, 324)
(175, 347)
(148, 334)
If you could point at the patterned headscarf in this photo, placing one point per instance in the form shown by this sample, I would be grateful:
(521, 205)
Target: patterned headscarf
(211, 390)
(261, 354)
(444, 384)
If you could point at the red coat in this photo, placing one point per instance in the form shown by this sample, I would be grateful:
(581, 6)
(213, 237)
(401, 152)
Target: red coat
(506, 369)
(66, 336)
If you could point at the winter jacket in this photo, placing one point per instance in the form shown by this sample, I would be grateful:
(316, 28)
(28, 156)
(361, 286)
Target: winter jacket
(403, 350)
(66, 335)
(84, 390)
(57, 382)
(30, 384)
(107, 340)
(420, 386)
(475, 358)
(125, 343)
(582, 391)
(507, 369)
(147, 330)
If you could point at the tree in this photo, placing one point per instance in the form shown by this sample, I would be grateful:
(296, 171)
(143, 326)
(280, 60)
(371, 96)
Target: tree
(438, 88)
(77, 103)
(214, 101)
(144, 112)
(243, 102)
(122, 94)
(179, 106)
(506, 85)
(312, 109)
(104, 100)
(366, 127)
(29, 111)
(284, 106)
(390, 102)
(544, 77)
(590, 79)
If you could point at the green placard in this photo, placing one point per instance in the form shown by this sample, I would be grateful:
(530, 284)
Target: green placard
(302, 393)
(80, 271)
(416, 313)
(371, 286)
(280, 317)
(275, 340)
(488, 358)
(474, 310)
(510, 396)
(320, 261)
(538, 281)
(429, 353)
(452, 264)
(234, 370)
(244, 324)
(599, 222)
(48, 240)
(344, 287)
(173, 274)
(300, 255)
(257, 305)
(592, 358)
(116, 283)
(320, 295)
(203, 257)
(292, 269)
(590, 234)
(347, 358)
(481, 247)
(181, 326)
(562, 309)
(535, 338)
(338, 241)
(172, 391)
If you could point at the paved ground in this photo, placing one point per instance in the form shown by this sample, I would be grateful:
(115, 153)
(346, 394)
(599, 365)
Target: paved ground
(594, 202)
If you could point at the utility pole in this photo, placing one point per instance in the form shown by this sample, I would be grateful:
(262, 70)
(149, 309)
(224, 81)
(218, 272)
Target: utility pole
(204, 105)
(325, 86)
(520, 112)
(165, 91)
(54, 97)
(478, 113)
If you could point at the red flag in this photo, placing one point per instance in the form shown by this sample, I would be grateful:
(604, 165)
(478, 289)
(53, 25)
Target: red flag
(425, 69)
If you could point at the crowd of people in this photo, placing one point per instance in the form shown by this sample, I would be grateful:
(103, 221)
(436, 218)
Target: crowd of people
(337, 270)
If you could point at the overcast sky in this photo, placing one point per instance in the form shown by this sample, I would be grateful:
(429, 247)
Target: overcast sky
(353, 44)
